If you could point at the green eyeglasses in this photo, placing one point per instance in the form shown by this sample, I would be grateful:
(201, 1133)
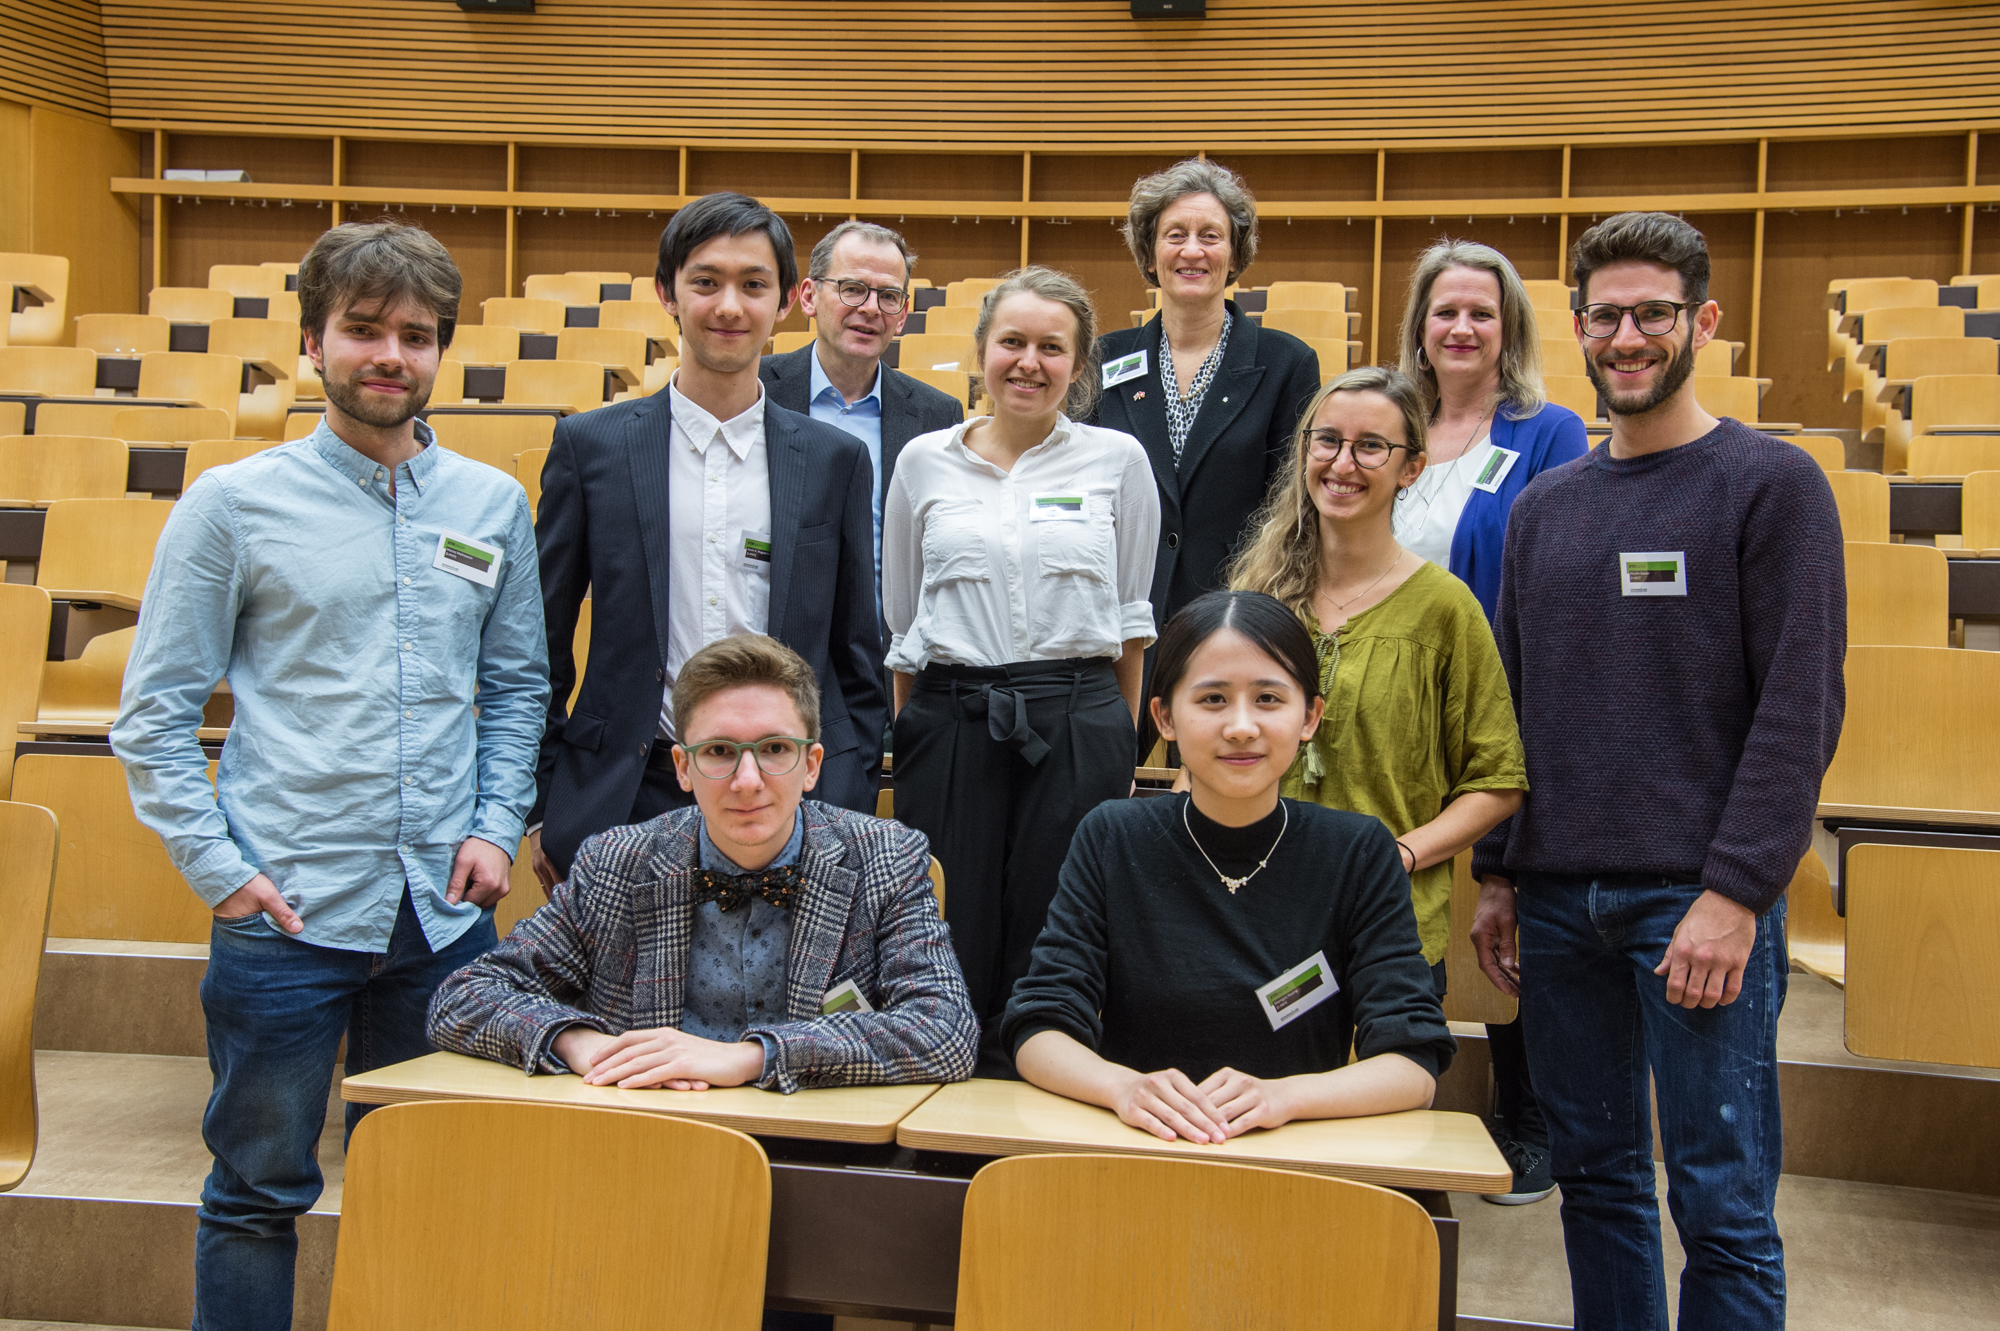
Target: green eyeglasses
(719, 759)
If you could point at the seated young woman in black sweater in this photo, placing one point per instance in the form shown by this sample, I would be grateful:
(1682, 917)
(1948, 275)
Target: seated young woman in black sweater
(1209, 957)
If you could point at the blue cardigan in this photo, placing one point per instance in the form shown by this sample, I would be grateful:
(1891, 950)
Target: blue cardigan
(1552, 436)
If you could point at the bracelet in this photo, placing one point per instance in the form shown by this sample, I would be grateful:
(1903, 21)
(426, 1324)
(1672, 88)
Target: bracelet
(1413, 857)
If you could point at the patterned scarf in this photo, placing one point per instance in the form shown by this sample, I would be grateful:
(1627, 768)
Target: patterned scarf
(1181, 411)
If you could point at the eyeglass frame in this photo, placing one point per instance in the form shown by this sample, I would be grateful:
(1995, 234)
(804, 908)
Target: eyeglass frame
(1680, 307)
(902, 294)
(1348, 446)
(736, 765)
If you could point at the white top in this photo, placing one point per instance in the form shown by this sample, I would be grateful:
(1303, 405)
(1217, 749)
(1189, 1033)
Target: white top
(718, 500)
(1426, 515)
(982, 567)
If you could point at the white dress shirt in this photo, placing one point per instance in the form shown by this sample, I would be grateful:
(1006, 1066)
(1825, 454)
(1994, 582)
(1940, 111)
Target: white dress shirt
(1054, 559)
(718, 509)
(1426, 516)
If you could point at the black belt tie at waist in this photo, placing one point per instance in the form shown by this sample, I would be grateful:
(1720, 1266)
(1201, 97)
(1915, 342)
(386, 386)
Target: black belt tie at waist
(1002, 694)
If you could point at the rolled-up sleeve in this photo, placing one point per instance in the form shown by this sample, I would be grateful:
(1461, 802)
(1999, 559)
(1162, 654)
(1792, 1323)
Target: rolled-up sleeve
(1136, 528)
(513, 692)
(187, 624)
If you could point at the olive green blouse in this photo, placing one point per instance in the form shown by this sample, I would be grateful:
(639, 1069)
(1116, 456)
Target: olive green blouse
(1417, 714)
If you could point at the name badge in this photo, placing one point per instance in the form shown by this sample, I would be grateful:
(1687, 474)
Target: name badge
(1058, 508)
(1495, 471)
(1125, 367)
(475, 561)
(1298, 991)
(1653, 573)
(756, 550)
(843, 997)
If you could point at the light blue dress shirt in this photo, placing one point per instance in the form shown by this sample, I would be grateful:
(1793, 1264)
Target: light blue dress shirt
(357, 761)
(736, 959)
(861, 419)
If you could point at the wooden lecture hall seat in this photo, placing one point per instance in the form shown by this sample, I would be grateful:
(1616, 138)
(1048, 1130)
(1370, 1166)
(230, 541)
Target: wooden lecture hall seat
(935, 351)
(497, 440)
(484, 344)
(1308, 323)
(1897, 595)
(85, 690)
(960, 319)
(1827, 451)
(197, 305)
(1863, 500)
(194, 376)
(27, 869)
(170, 425)
(1923, 952)
(1573, 391)
(122, 334)
(1184, 1268)
(694, 1218)
(271, 346)
(39, 321)
(576, 384)
(1918, 733)
(1306, 296)
(50, 371)
(203, 454)
(529, 316)
(24, 638)
(100, 550)
(1979, 508)
(784, 342)
(563, 288)
(41, 468)
(621, 350)
(643, 313)
(246, 279)
(528, 464)
(1953, 454)
(1562, 356)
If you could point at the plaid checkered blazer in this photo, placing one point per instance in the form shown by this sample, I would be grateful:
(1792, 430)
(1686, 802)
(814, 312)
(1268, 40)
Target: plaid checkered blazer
(610, 951)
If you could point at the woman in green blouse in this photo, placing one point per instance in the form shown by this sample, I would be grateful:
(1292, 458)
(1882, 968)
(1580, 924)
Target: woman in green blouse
(1419, 728)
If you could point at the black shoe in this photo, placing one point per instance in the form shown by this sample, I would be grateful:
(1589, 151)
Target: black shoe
(1532, 1178)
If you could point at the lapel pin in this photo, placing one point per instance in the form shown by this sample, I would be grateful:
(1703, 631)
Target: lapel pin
(1138, 394)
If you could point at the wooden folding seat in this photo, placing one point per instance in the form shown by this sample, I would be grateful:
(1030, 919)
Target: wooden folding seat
(1815, 935)
(1923, 951)
(1914, 357)
(204, 454)
(1140, 1243)
(14, 417)
(1918, 732)
(1953, 454)
(100, 550)
(288, 269)
(1953, 401)
(122, 334)
(169, 425)
(954, 384)
(1469, 995)
(931, 351)
(24, 640)
(958, 320)
(573, 383)
(695, 1220)
(971, 291)
(50, 371)
(1826, 450)
(1561, 355)
(1729, 395)
(528, 464)
(35, 324)
(484, 344)
(272, 346)
(190, 305)
(643, 314)
(1550, 297)
(1979, 510)
(1305, 296)
(1335, 355)
(494, 438)
(1893, 325)
(1863, 500)
(1867, 293)
(300, 424)
(782, 343)
(86, 688)
(27, 873)
(613, 348)
(565, 289)
(87, 418)
(529, 316)
(246, 279)
(1716, 358)
(205, 378)
(1573, 391)
(448, 385)
(1308, 323)
(42, 468)
(607, 276)
(1897, 595)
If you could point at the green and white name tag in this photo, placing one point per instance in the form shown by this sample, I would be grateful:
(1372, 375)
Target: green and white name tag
(843, 997)
(1298, 991)
(1058, 508)
(1498, 464)
(756, 549)
(475, 561)
(1125, 367)
(1653, 573)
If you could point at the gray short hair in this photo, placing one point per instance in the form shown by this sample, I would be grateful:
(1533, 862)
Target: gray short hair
(821, 262)
(1520, 335)
(1152, 195)
(1064, 290)
(377, 263)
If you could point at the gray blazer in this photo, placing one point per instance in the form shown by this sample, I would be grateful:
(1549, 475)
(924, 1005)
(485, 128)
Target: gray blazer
(909, 406)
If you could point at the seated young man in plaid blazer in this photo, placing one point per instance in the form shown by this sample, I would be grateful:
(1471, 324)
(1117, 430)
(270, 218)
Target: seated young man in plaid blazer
(756, 939)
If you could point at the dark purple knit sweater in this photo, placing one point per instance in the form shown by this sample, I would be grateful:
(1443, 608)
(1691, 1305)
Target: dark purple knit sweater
(1679, 735)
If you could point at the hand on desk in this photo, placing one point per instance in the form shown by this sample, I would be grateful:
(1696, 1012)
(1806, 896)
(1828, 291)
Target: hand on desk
(1169, 1105)
(661, 1056)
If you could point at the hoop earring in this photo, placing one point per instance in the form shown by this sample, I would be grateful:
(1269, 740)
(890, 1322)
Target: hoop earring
(1402, 493)
(1423, 361)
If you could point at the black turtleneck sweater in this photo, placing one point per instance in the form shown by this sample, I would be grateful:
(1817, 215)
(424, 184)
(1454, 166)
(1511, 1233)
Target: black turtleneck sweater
(1147, 959)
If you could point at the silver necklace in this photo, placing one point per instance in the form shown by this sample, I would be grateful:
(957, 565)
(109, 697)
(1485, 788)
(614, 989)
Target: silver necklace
(1341, 606)
(1233, 883)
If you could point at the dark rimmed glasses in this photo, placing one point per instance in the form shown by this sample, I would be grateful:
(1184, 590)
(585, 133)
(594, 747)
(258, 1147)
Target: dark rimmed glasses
(1650, 317)
(890, 300)
(719, 759)
(1368, 451)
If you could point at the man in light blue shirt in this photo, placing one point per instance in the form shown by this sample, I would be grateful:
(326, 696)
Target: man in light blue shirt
(356, 588)
(861, 418)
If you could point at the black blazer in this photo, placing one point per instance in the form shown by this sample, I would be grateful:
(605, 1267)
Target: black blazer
(1236, 447)
(910, 407)
(602, 530)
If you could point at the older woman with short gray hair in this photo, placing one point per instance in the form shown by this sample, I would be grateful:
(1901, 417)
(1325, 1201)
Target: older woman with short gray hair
(1211, 394)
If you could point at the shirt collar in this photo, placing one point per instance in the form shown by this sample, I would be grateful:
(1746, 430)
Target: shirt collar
(822, 385)
(715, 861)
(1065, 427)
(358, 467)
(741, 432)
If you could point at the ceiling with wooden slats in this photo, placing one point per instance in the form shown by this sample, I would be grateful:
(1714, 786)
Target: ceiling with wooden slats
(1054, 74)
(51, 54)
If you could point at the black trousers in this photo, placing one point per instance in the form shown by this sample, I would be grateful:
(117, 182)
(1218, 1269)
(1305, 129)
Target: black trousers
(1514, 1102)
(997, 765)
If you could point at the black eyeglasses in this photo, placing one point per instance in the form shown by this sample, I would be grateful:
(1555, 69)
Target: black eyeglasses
(890, 300)
(1651, 317)
(1370, 453)
(719, 759)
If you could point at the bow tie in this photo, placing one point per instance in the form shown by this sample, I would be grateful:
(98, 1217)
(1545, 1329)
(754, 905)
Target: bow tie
(781, 887)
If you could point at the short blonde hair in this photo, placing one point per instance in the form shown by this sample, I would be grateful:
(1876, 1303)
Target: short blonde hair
(1063, 289)
(1520, 338)
(745, 659)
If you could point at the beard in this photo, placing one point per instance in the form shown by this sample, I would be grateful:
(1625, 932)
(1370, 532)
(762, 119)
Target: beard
(347, 395)
(1672, 375)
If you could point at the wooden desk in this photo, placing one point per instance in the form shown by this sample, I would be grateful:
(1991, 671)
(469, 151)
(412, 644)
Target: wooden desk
(1874, 824)
(32, 401)
(51, 728)
(844, 1114)
(1418, 1149)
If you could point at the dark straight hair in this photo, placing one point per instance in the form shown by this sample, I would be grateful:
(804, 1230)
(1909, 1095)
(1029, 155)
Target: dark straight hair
(1263, 619)
(1659, 238)
(374, 265)
(724, 214)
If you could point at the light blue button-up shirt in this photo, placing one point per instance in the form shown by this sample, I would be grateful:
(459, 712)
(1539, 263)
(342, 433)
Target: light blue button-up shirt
(357, 762)
(861, 419)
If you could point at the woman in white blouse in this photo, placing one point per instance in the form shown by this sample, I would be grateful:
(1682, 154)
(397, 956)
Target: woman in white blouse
(1017, 562)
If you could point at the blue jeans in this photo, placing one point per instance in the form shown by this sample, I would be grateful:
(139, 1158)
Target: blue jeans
(1597, 1022)
(276, 1009)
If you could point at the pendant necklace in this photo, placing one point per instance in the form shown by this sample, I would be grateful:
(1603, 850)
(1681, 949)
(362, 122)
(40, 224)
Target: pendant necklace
(1233, 883)
(1341, 606)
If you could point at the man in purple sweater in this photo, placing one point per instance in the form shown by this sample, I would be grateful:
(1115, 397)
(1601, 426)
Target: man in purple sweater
(1673, 616)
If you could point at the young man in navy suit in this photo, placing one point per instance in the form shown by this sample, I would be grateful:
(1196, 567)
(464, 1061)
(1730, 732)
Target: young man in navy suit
(702, 511)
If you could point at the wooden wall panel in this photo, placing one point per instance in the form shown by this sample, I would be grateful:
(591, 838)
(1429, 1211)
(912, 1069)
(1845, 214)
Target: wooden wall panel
(212, 232)
(994, 176)
(1092, 252)
(269, 160)
(73, 214)
(770, 174)
(1101, 177)
(629, 242)
(1528, 173)
(1296, 177)
(16, 177)
(440, 165)
(52, 54)
(948, 251)
(1700, 167)
(598, 170)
